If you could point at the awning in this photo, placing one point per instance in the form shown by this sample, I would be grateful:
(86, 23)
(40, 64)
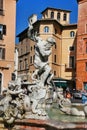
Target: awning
(60, 82)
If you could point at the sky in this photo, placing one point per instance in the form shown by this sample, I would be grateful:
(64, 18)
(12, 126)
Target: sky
(25, 8)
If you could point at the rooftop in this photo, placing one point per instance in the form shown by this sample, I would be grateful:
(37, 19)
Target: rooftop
(54, 9)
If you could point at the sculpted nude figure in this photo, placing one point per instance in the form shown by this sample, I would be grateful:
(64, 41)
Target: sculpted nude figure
(42, 52)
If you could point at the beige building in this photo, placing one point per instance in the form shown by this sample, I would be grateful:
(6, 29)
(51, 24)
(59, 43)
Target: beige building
(54, 23)
(7, 41)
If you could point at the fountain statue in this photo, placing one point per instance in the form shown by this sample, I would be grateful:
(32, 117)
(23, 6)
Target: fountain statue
(29, 102)
(68, 108)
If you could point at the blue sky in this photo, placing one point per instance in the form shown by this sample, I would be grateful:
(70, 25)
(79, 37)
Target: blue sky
(25, 8)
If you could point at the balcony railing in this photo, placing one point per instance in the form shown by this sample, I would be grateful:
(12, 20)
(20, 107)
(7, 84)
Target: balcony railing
(67, 66)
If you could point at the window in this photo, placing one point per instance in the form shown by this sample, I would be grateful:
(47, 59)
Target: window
(55, 58)
(2, 30)
(71, 48)
(0, 82)
(13, 76)
(54, 73)
(86, 28)
(20, 65)
(46, 29)
(26, 48)
(31, 59)
(85, 85)
(58, 15)
(64, 17)
(55, 31)
(86, 66)
(26, 64)
(1, 7)
(2, 53)
(71, 62)
(55, 46)
(31, 48)
(86, 47)
(72, 34)
(52, 15)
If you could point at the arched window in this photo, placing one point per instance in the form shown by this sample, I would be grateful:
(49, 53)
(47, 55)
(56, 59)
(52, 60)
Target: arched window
(72, 34)
(58, 15)
(64, 17)
(52, 15)
(46, 29)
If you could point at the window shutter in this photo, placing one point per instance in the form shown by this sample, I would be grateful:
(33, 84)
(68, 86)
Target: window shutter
(4, 29)
(1, 4)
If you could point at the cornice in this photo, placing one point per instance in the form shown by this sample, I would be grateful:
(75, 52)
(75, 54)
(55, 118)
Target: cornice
(81, 1)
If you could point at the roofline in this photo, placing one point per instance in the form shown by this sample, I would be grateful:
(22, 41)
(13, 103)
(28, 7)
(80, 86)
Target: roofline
(22, 32)
(75, 24)
(47, 20)
(54, 9)
(78, 1)
(38, 21)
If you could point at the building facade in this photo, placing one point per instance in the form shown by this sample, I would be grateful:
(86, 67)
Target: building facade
(81, 60)
(55, 23)
(7, 41)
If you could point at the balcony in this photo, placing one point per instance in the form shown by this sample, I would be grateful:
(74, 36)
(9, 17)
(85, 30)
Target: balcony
(68, 67)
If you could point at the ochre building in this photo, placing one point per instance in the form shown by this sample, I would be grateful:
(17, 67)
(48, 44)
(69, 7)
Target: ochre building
(7, 41)
(54, 23)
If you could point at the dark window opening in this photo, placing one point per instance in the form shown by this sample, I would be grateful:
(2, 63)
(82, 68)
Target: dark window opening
(55, 58)
(58, 15)
(0, 82)
(64, 17)
(71, 62)
(72, 34)
(86, 47)
(71, 48)
(46, 29)
(13, 76)
(2, 30)
(52, 15)
(86, 66)
(2, 53)
(1, 7)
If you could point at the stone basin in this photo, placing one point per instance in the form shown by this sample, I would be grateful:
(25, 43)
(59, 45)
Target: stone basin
(44, 125)
(57, 121)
